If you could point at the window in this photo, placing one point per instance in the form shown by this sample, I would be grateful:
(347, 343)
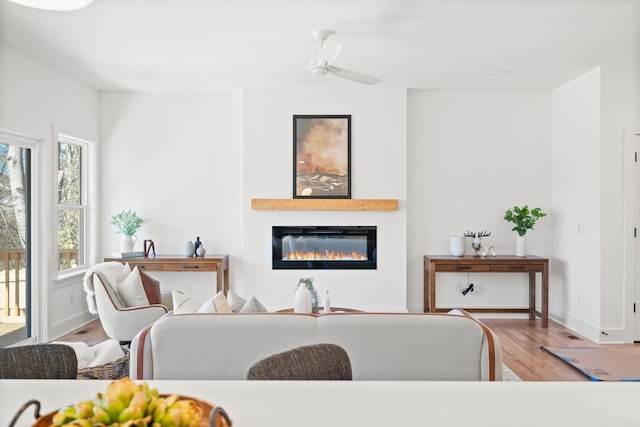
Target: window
(18, 184)
(72, 184)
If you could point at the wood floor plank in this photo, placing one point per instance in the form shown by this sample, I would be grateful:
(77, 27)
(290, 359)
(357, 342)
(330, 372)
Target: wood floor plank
(521, 340)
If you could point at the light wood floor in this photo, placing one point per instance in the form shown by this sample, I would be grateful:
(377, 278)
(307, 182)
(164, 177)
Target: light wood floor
(520, 339)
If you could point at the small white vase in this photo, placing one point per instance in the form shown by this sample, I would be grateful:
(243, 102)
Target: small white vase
(521, 246)
(302, 300)
(127, 242)
(189, 249)
(457, 245)
(327, 302)
(201, 251)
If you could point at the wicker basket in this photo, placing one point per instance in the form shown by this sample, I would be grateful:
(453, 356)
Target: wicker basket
(109, 371)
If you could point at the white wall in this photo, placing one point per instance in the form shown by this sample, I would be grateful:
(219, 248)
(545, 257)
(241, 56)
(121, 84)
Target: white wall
(620, 110)
(35, 99)
(472, 156)
(576, 194)
(455, 160)
(590, 117)
(176, 159)
(378, 152)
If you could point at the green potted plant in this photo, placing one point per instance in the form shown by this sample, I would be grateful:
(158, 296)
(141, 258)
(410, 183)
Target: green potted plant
(524, 220)
(127, 223)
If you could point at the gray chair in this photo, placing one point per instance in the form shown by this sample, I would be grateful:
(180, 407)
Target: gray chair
(38, 361)
(312, 362)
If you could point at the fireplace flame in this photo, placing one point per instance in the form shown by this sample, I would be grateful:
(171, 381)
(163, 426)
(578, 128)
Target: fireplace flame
(324, 256)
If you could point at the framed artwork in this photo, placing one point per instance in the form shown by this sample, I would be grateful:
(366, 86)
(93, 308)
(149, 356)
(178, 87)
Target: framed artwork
(322, 156)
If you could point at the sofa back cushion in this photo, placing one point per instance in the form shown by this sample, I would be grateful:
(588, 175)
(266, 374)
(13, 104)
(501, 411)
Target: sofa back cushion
(222, 346)
(401, 346)
(381, 346)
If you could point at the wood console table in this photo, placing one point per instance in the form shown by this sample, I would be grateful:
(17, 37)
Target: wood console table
(217, 263)
(500, 264)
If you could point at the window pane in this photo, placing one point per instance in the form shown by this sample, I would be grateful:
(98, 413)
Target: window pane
(69, 238)
(70, 206)
(15, 283)
(69, 174)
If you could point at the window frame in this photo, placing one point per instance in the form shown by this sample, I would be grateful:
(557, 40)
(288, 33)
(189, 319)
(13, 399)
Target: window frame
(38, 200)
(88, 194)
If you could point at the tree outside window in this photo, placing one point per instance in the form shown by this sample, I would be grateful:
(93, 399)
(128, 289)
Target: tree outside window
(71, 207)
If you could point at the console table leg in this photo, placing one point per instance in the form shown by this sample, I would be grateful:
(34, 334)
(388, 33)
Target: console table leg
(426, 290)
(432, 289)
(532, 296)
(219, 279)
(226, 286)
(545, 296)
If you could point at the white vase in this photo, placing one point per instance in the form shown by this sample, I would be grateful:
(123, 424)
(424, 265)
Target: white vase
(201, 251)
(127, 242)
(302, 300)
(457, 245)
(521, 246)
(189, 249)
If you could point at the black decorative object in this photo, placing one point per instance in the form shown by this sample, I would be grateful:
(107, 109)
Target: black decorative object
(149, 247)
(468, 289)
(196, 244)
(322, 156)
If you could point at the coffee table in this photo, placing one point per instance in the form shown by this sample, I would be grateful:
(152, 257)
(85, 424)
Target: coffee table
(321, 310)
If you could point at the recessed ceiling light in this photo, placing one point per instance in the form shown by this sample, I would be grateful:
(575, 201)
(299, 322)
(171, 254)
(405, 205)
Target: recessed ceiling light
(501, 73)
(148, 73)
(58, 5)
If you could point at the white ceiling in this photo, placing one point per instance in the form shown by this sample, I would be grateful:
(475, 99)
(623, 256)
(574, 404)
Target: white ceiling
(196, 45)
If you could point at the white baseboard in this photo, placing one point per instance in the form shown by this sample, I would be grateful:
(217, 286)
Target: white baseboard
(70, 324)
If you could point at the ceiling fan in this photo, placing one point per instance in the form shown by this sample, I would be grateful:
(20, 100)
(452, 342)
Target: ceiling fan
(321, 67)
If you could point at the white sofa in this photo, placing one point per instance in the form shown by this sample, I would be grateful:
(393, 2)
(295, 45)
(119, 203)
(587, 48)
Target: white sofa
(381, 346)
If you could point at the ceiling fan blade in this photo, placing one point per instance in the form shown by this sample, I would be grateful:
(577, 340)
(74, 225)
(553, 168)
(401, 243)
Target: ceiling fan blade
(336, 54)
(353, 75)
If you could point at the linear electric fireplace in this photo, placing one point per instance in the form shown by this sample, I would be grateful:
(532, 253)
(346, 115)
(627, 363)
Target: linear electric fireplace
(324, 247)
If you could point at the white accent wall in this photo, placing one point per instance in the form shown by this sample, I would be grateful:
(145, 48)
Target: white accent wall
(575, 273)
(590, 116)
(378, 167)
(176, 159)
(471, 156)
(35, 99)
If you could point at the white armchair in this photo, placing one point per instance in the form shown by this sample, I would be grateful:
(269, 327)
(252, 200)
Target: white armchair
(119, 322)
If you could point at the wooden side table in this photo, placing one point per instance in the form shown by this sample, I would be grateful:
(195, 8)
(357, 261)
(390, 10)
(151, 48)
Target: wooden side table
(208, 263)
(499, 264)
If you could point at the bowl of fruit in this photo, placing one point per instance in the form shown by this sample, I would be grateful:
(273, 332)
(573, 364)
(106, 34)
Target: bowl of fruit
(126, 403)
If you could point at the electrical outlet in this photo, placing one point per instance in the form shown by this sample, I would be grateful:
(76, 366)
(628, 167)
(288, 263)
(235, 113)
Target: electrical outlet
(70, 297)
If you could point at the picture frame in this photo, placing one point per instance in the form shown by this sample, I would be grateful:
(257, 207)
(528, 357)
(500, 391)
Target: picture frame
(321, 156)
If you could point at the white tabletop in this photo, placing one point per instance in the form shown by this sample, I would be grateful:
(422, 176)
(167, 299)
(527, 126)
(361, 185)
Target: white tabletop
(368, 403)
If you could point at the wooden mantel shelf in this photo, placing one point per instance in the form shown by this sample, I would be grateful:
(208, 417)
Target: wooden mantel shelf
(325, 204)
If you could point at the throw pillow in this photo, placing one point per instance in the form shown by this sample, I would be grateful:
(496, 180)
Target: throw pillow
(151, 288)
(183, 303)
(235, 301)
(253, 306)
(132, 291)
(221, 303)
(208, 307)
(217, 304)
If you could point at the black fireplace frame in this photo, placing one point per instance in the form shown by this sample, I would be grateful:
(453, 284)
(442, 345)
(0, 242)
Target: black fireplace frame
(279, 232)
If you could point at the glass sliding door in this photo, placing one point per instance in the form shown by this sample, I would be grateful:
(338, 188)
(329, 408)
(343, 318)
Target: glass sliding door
(15, 241)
